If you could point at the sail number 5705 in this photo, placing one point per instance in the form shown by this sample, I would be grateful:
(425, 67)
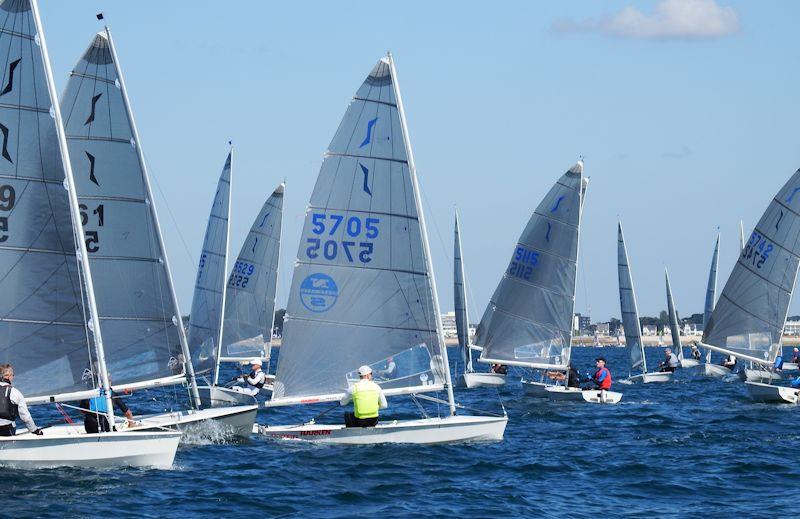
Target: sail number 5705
(361, 230)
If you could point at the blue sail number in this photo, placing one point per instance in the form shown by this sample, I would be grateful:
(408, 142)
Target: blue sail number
(363, 230)
(523, 262)
(757, 249)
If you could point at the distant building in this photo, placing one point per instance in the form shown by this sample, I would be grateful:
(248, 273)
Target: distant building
(792, 328)
(649, 329)
(582, 324)
(449, 324)
(603, 328)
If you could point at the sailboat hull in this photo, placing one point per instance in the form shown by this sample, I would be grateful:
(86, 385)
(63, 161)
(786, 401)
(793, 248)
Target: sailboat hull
(216, 396)
(761, 392)
(760, 375)
(219, 422)
(423, 431)
(71, 447)
(574, 394)
(715, 371)
(535, 389)
(473, 380)
(651, 378)
(689, 363)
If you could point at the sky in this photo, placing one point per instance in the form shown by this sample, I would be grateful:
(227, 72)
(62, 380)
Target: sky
(683, 110)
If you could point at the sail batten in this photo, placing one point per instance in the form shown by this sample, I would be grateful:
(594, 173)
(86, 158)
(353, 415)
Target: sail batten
(749, 318)
(362, 259)
(528, 320)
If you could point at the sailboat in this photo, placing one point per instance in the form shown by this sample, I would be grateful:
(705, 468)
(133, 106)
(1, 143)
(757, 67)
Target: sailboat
(750, 315)
(711, 370)
(248, 303)
(630, 320)
(470, 378)
(144, 337)
(677, 347)
(48, 315)
(363, 289)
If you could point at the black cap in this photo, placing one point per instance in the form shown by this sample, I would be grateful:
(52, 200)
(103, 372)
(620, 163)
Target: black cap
(599, 359)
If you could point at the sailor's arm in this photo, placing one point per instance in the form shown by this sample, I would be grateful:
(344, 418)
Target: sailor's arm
(383, 403)
(22, 410)
(258, 379)
(348, 396)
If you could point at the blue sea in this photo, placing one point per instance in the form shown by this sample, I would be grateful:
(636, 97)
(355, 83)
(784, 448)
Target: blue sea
(687, 448)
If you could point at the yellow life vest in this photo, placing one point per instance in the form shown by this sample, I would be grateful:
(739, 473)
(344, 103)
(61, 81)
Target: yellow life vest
(366, 399)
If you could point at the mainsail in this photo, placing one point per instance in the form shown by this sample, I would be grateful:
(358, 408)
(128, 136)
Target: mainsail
(135, 298)
(205, 321)
(627, 303)
(362, 290)
(673, 321)
(42, 313)
(711, 289)
(528, 321)
(460, 301)
(749, 317)
(250, 293)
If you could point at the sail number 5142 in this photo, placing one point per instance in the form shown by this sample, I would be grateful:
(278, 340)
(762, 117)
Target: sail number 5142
(361, 230)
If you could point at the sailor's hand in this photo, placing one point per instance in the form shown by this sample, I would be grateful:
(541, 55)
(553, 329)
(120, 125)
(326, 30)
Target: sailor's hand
(38, 432)
(240, 380)
(131, 423)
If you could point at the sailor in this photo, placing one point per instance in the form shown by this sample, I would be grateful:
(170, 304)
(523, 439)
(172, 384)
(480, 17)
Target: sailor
(572, 376)
(12, 405)
(778, 364)
(602, 377)
(796, 356)
(670, 362)
(254, 381)
(368, 399)
(796, 382)
(729, 362)
(500, 369)
(695, 352)
(95, 412)
(389, 371)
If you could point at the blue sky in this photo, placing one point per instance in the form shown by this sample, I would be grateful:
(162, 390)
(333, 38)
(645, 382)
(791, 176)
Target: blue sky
(683, 109)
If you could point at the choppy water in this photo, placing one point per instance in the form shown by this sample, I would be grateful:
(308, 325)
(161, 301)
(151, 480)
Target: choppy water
(691, 447)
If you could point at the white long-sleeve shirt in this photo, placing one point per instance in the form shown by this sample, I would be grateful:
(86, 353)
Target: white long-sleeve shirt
(348, 397)
(255, 380)
(22, 408)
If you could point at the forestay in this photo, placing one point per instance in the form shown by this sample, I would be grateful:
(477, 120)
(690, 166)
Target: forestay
(627, 303)
(42, 314)
(673, 321)
(362, 291)
(136, 307)
(205, 321)
(749, 317)
(460, 301)
(528, 321)
(250, 293)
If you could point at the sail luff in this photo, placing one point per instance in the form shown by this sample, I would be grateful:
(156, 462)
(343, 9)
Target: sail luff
(268, 350)
(673, 320)
(628, 307)
(177, 319)
(97, 335)
(224, 271)
(426, 247)
(582, 194)
(711, 289)
(460, 300)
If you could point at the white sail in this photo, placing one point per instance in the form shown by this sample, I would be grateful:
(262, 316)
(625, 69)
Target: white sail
(250, 292)
(362, 290)
(628, 308)
(528, 321)
(673, 321)
(460, 301)
(711, 288)
(749, 317)
(205, 321)
(135, 297)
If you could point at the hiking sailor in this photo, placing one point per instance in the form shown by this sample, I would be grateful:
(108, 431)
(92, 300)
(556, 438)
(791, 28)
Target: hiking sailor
(368, 399)
(254, 381)
(94, 412)
(12, 405)
(670, 362)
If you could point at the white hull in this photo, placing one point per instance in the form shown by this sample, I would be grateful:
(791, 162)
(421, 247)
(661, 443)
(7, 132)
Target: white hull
(217, 396)
(73, 448)
(760, 375)
(790, 366)
(689, 363)
(715, 371)
(574, 394)
(769, 393)
(423, 431)
(535, 389)
(651, 378)
(473, 380)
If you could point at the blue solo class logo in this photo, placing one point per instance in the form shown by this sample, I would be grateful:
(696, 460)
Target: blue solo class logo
(318, 292)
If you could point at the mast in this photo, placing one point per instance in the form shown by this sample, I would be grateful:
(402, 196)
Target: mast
(177, 320)
(76, 218)
(417, 200)
(224, 273)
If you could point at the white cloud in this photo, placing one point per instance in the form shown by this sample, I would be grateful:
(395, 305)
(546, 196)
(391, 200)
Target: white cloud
(671, 19)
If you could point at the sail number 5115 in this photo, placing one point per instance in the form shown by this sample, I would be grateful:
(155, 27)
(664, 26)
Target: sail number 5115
(360, 248)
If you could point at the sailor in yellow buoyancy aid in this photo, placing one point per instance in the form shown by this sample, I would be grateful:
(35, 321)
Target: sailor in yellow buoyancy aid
(368, 399)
